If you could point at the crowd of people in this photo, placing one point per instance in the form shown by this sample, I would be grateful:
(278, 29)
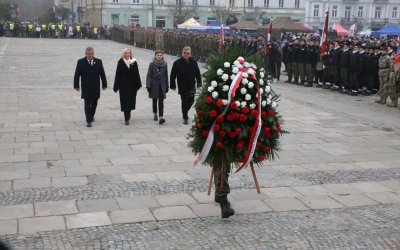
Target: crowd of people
(54, 30)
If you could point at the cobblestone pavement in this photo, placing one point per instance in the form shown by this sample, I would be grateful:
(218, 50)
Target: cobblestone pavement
(336, 184)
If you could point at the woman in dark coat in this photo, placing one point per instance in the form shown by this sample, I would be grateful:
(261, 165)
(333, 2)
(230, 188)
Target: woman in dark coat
(157, 84)
(127, 81)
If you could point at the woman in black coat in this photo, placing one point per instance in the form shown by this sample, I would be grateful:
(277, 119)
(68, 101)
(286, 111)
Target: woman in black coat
(157, 84)
(127, 81)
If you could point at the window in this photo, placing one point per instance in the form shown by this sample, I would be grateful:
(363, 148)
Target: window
(231, 3)
(360, 11)
(210, 20)
(134, 19)
(280, 3)
(115, 19)
(195, 2)
(160, 21)
(135, 1)
(250, 3)
(316, 10)
(334, 11)
(212, 2)
(347, 12)
(160, 2)
(378, 12)
(394, 12)
(296, 4)
(266, 3)
(115, 1)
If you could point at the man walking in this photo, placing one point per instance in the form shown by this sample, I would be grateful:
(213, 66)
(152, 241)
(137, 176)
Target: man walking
(187, 72)
(90, 70)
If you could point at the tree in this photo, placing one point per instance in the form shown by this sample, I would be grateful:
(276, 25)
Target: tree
(255, 14)
(222, 13)
(181, 11)
(5, 11)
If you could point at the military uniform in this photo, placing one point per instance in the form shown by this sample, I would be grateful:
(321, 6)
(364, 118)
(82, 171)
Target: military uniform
(394, 83)
(385, 64)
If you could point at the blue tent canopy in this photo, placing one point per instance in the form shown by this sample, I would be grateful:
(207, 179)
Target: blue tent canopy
(214, 24)
(389, 30)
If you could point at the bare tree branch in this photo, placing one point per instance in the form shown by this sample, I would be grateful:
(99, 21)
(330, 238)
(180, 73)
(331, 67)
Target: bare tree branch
(180, 10)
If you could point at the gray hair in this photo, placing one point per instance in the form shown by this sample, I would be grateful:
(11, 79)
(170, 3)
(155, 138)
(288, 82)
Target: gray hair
(89, 49)
(186, 48)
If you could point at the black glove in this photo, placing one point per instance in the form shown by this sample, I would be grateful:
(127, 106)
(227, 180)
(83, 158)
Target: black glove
(115, 90)
(148, 90)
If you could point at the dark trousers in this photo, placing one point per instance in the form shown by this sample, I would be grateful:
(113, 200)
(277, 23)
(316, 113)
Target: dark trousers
(187, 102)
(160, 106)
(127, 115)
(354, 83)
(221, 180)
(90, 109)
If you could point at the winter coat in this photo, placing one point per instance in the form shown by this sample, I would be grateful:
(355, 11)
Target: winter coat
(127, 81)
(90, 78)
(187, 75)
(157, 80)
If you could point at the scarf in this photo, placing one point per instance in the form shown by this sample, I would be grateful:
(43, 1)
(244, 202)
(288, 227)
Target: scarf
(129, 62)
(160, 63)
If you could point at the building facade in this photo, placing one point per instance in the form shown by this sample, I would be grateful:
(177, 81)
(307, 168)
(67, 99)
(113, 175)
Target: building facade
(167, 13)
(367, 14)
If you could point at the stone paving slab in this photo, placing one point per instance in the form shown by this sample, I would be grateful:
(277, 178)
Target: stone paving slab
(384, 197)
(86, 206)
(320, 202)
(175, 200)
(17, 211)
(206, 210)
(87, 220)
(38, 224)
(137, 202)
(8, 227)
(55, 208)
(354, 200)
(285, 204)
(131, 216)
(370, 187)
(173, 213)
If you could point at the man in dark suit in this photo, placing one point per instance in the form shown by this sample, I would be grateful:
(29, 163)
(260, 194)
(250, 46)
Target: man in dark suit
(187, 72)
(90, 70)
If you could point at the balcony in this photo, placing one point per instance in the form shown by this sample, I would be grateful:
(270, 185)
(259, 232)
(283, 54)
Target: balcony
(81, 9)
(381, 1)
(350, 1)
(377, 23)
(349, 21)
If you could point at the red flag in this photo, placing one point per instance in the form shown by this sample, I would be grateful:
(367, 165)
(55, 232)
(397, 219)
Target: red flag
(270, 31)
(221, 39)
(324, 37)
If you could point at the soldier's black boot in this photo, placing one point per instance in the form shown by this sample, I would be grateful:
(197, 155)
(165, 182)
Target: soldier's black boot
(226, 209)
(217, 199)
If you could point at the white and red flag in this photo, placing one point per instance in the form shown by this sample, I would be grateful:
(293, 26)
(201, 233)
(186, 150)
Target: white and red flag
(270, 31)
(221, 39)
(324, 37)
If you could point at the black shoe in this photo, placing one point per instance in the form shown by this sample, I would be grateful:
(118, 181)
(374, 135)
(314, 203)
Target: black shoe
(217, 199)
(126, 122)
(155, 117)
(162, 120)
(185, 121)
(89, 124)
(226, 210)
(308, 84)
(288, 81)
(93, 119)
(367, 93)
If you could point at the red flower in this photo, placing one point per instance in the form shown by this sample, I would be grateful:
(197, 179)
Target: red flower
(238, 131)
(266, 149)
(219, 103)
(200, 113)
(213, 113)
(258, 145)
(232, 135)
(230, 117)
(217, 127)
(236, 116)
(240, 146)
(239, 159)
(219, 144)
(271, 113)
(245, 110)
(209, 100)
(233, 105)
(267, 133)
(221, 133)
(220, 119)
(254, 113)
(277, 130)
(261, 158)
(243, 117)
(198, 125)
(205, 133)
(264, 114)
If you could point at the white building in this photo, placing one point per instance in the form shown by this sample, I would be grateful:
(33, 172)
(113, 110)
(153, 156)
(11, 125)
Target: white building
(373, 14)
(163, 13)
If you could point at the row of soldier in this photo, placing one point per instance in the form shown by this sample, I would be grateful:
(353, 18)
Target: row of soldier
(53, 30)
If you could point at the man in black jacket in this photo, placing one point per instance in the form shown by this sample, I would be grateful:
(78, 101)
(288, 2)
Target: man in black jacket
(187, 72)
(90, 70)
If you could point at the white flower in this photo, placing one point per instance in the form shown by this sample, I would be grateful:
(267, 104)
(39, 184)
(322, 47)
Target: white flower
(262, 74)
(268, 101)
(243, 104)
(267, 89)
(261, 91)
(261, 82)
(224, 101)
(243, 91)
(225, 88)
(247, 97)
(251, 85)
(245, 75)
(210, 89)
(252, 106)
(235, 70)
(247, 65)
(214, 84)
(263, 103)
(273, 105)
(220, 72)
(236, 63)
(253, 66)
(227, 65)
(233, 77)
(268, 82)
(262, 70)
(215, 94)
(225, 77)
(245, 81)
(250, 71)
(237, 103)
(240, 58)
